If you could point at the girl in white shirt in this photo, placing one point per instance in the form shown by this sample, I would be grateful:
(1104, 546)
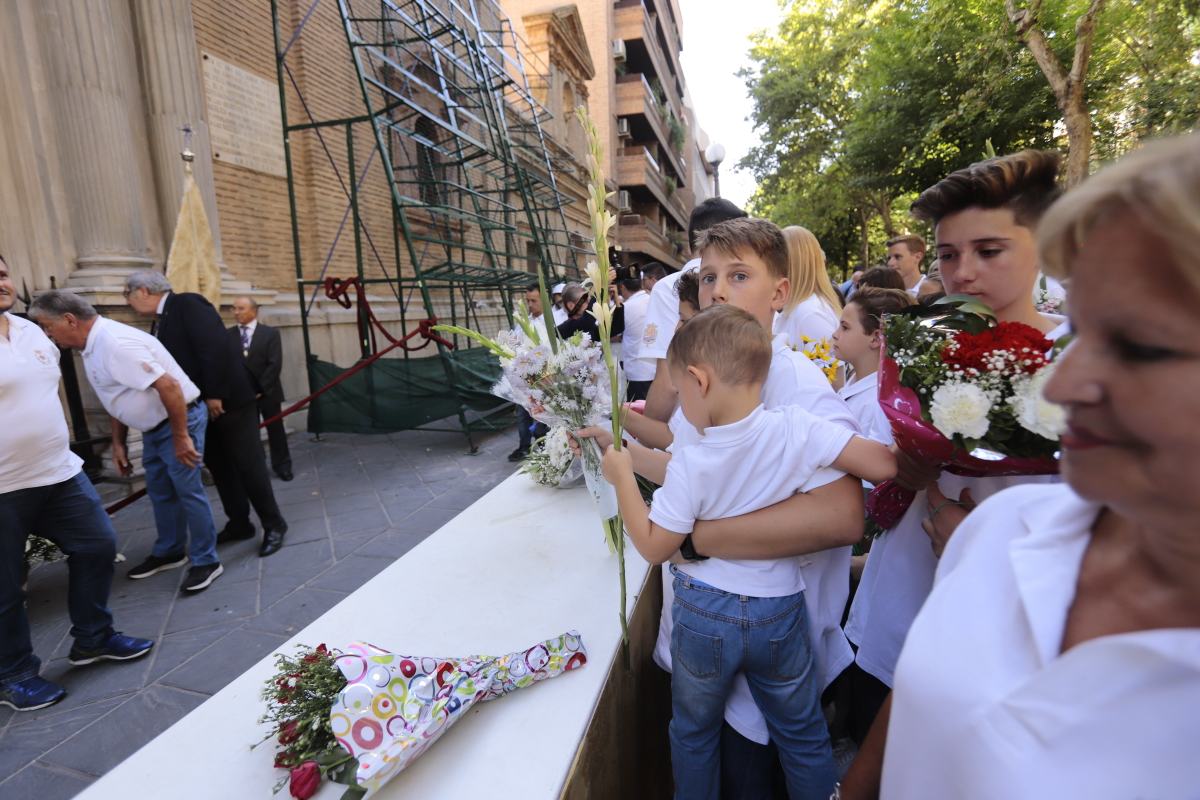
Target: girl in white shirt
(858, 341)
(812, 306)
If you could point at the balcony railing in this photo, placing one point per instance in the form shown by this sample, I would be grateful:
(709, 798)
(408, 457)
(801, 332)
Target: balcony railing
(634, 22)
(634, 98)
(637, 167)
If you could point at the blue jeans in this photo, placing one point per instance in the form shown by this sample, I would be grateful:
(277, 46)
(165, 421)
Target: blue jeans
(717, 635)
(177, 492)
(70, 515)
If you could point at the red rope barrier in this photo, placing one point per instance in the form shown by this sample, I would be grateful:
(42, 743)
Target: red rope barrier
(338, 290)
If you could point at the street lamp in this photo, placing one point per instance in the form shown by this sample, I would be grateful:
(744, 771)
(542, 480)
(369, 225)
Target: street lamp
(715, 154)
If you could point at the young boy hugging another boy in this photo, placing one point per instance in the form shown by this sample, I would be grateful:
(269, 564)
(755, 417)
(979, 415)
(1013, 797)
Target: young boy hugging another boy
(745, 615)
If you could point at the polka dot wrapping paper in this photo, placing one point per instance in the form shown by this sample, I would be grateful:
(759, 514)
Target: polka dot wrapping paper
(394, 707)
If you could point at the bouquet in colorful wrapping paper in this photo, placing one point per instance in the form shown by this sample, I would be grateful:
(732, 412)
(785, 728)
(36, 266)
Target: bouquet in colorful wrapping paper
(964, 392)
(360, 716)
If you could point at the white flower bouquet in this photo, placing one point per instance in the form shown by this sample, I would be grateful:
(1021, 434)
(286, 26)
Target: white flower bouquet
(964, 392)
(551, 462)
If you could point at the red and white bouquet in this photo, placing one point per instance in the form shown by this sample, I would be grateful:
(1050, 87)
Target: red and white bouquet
(964, 392)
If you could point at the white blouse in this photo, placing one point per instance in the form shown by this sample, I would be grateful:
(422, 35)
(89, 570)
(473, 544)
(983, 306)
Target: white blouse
(813, 318)
(986, 706)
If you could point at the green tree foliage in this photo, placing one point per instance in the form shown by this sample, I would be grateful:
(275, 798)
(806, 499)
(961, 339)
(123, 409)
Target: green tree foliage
(861, 104)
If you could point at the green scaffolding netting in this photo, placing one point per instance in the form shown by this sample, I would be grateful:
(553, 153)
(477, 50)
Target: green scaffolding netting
(400, 394)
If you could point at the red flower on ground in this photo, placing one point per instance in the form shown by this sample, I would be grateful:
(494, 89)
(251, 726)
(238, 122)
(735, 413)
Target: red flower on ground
(289, 732)
(305, 780)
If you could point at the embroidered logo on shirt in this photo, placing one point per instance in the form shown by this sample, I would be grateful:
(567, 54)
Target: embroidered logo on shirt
(650, 334)
(146, 365)
(42, 356)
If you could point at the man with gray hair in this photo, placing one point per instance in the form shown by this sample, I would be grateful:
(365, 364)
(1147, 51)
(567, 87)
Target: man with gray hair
(191, 330)
(43, 490)
(142, 387)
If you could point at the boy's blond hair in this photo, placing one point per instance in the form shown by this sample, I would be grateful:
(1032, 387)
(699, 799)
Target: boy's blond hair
(759, 236)
(726, 339)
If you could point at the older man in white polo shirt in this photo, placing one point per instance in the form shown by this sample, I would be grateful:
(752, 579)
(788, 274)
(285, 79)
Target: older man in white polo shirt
(43, 490)
(142, 387)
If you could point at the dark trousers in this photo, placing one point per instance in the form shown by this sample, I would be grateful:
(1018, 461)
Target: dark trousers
(281, 457)
(637, 390)
(235, 458)
(70, 515)
(867, 694)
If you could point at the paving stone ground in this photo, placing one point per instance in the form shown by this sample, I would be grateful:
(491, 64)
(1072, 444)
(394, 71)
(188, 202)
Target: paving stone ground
(357, 504)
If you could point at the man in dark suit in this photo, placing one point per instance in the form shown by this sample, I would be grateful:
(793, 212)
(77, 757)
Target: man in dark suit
(192, 331)
(262, 352)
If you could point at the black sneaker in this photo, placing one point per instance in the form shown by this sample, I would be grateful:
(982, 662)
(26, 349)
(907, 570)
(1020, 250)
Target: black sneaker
(153, 565)
(199, 578)
(518, 455)
(118, 647)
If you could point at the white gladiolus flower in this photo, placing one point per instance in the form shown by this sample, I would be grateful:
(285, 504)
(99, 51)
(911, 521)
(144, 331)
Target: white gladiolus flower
(960, 408)
(1035, 413)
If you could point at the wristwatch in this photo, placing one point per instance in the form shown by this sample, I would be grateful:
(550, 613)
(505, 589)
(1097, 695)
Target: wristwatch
(688, 550)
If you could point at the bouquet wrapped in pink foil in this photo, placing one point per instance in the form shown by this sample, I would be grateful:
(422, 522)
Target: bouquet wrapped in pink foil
(964, 393)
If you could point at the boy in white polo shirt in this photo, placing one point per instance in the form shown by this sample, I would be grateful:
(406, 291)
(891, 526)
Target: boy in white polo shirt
(736, 616)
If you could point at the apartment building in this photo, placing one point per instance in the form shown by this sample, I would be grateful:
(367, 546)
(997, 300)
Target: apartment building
(638, 98)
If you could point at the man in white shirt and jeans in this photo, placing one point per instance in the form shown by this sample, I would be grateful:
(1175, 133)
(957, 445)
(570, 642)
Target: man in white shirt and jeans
(142, 387)
(43, 490)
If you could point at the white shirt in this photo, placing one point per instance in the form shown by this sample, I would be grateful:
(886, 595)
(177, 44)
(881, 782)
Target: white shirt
(636, 367)
(916, 287)
(862, 398)
(559, 314)
(987, 707)
(35, 445)
(758, 461)
(812, 317)
(121, 363)
(662, 316)
(900, 567)
(793, 380)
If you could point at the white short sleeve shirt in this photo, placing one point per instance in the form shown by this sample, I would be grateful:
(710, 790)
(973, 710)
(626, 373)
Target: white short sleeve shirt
(735, 469)
(986, 706)
(35, 445)
(636, 367)
(122, 362)
(662, 316)
(862, 397)
(812, 317)
(792, 380)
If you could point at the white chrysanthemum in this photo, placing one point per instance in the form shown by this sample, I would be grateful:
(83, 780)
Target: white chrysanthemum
(558, 449)
(960, 408)
(1035, 413)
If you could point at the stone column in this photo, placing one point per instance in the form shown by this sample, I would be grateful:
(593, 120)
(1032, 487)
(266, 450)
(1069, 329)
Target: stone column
(173, 92)
(95, 97)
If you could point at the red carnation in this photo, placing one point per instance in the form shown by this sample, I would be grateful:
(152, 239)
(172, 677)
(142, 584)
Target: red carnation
(289, 732)
(305, 780)
(972, 350)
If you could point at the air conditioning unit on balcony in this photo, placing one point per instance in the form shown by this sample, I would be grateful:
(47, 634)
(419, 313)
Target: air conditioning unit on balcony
(623, 127)
(624, 203)
(618, 49)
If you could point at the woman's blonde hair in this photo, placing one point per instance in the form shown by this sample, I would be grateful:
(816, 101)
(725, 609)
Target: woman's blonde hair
(806, 270)
(1158, 184)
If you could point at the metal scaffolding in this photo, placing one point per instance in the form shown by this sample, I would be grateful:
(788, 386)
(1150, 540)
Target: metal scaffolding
(450, 128)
